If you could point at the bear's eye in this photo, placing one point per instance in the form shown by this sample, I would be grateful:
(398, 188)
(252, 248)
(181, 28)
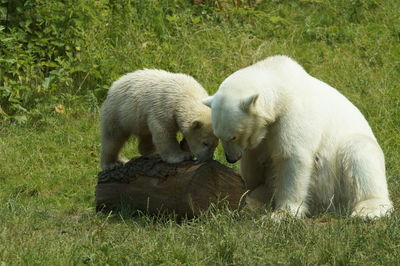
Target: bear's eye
(205, 144)
(233, 138)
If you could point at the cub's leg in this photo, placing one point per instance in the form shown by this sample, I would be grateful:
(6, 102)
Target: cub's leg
(166, 143)
(111, 144)
(146, 146)
(363, 166)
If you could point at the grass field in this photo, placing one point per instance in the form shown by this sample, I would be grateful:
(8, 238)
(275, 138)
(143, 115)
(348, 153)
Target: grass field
(48, 167)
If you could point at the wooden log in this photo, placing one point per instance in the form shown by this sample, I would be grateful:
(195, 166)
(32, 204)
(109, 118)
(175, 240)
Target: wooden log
(153, 186)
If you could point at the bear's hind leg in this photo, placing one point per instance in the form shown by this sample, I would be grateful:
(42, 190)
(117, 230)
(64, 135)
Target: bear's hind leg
(111, 144)
(363, 166)
(146, 146)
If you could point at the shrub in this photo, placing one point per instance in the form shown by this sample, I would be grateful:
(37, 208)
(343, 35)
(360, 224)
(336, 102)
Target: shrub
(40, 47)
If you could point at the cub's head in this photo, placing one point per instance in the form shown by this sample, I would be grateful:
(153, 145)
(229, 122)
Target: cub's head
(238, 122)
(201, 139)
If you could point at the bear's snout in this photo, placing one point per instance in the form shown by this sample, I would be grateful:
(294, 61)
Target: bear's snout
(204, 158)
(229, 159)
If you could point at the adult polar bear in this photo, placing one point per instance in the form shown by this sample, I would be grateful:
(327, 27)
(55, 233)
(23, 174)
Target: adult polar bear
(303, 146)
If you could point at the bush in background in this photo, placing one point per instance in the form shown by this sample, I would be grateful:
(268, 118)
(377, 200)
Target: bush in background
(68, 52)
(40, 43)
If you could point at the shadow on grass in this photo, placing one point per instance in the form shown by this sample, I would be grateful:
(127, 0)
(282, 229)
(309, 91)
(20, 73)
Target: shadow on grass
(126, 212)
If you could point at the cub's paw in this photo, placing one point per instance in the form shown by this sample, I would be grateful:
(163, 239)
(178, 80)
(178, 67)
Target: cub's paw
(111, 166)
(122, 160)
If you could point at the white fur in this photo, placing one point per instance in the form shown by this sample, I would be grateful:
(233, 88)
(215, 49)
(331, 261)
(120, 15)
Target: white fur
(303, 146)
(153, 105)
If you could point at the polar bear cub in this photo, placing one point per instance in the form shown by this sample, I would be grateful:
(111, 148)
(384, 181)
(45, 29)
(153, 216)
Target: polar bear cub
(154, 105)
(303, 146)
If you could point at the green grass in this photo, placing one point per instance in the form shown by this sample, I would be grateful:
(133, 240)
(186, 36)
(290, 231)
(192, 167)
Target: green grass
(48, 167)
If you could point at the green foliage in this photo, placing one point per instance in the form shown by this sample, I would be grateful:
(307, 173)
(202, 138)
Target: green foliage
(65, 52)
(40, 47)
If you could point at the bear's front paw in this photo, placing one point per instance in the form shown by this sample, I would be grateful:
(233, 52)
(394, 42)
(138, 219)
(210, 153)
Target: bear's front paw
(178, 158)
(289, 212)
(281, 215)
(254, 205)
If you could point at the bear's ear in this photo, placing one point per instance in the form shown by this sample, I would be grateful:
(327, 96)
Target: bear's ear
(196, 124)
(247, 103)
(207, 101)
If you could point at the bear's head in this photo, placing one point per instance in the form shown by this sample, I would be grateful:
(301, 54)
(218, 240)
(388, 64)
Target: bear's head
(200, 138)
(238, 122)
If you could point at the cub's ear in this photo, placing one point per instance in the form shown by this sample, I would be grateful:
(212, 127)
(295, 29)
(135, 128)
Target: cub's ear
(207, 101)
(196, 124)
(247, 103)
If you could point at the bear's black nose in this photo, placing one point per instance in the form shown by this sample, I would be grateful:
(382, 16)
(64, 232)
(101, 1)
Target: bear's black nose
(230, 160)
